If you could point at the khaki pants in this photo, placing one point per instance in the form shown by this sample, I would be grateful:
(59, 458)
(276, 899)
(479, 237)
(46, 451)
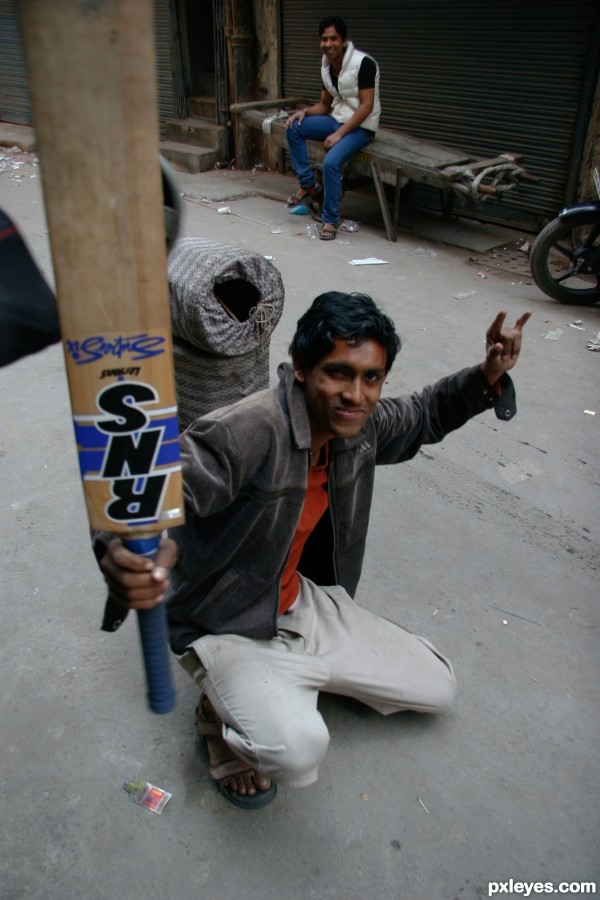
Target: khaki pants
(265, 691)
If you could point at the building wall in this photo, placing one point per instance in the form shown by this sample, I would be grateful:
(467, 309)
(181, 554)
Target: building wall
(268, 62)
(591, 152)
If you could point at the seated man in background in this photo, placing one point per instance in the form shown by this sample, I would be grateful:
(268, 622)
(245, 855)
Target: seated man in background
(345, 119)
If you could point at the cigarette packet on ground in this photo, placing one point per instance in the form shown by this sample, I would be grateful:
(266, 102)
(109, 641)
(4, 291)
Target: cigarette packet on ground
(148, 795)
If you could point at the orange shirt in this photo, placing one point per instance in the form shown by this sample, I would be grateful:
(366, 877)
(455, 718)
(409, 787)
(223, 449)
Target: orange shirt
(316, 502)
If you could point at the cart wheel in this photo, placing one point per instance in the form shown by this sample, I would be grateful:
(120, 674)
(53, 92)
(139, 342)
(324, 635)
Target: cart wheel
(313, 206)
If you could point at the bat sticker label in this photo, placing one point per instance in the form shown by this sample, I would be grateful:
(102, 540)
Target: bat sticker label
(128, 442)
(91, 349)
(120, 373)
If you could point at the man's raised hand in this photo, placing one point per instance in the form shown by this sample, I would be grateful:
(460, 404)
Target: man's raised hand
(503, 346)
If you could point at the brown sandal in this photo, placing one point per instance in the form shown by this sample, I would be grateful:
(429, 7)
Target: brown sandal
(208, 727)
(295, 201)
(312, 195)
(327, 233)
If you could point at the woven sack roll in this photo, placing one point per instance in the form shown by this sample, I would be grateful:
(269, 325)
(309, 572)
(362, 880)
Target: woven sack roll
(218, 359)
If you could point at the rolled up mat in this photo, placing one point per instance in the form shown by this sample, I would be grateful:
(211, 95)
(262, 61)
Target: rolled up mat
(225, 303)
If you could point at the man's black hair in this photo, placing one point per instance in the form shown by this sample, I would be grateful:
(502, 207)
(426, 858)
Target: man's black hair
(352, 317)
(333, 22)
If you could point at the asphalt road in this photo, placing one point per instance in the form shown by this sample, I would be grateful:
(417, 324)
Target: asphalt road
(487, 544)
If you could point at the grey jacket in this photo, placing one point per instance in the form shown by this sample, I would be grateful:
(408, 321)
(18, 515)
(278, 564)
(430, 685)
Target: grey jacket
(245, 474)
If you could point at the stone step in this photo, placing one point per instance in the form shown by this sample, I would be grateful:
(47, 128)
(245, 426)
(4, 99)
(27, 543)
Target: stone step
(189, 158)
(204, 107)
(206, 83)
(199, 132)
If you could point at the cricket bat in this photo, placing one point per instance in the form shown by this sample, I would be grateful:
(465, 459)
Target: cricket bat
(92, 79)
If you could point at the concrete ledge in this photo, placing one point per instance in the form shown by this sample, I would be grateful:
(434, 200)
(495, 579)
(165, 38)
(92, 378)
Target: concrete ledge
(189, 158)
(21, 136)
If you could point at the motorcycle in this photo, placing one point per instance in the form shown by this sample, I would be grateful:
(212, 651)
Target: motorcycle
(565, 258)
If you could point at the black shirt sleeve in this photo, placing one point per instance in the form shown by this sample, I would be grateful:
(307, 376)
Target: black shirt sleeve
(366, 74)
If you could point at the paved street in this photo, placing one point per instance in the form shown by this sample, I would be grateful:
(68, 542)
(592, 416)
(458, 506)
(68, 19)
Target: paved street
(487, 544)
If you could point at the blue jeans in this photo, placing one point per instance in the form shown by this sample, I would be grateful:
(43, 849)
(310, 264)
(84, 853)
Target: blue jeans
(317, 128)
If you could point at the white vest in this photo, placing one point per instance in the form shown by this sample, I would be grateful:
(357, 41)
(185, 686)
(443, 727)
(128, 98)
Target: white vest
(345, 96)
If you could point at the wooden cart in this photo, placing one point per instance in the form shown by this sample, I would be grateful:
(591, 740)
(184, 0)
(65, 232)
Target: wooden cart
(398, 159)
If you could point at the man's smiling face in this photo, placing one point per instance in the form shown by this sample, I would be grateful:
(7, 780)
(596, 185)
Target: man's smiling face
(342, 388)
(332, 45)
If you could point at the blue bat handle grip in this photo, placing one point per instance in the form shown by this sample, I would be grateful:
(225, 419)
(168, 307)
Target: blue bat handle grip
(153, 634)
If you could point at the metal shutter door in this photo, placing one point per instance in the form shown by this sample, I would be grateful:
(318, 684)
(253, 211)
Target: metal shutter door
(481, 77)
(14, 91)
(171, 95)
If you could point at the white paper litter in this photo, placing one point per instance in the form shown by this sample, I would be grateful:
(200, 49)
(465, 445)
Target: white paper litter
(369, 261)
(552, 335)
(594, 344)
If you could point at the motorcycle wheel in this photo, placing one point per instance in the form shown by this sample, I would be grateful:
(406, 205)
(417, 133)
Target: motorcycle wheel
(559, 253)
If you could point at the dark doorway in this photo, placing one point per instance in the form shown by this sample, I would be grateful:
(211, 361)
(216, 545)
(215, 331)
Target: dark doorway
(196, 28)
